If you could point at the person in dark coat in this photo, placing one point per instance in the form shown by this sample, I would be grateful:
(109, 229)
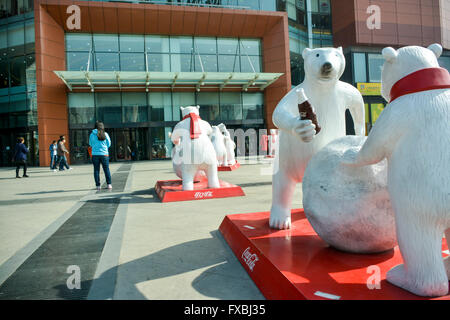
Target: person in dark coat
(20, 157)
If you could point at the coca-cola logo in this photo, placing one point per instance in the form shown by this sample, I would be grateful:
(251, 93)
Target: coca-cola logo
(249, 258)
(205, 194)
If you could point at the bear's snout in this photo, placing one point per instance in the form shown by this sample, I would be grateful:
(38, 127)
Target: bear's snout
(326, 69)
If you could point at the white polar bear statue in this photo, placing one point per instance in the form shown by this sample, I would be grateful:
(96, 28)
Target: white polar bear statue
(194, 152)
(296, 141)
(229, 145)
(349, 208)
(218, 142)
(413, 133)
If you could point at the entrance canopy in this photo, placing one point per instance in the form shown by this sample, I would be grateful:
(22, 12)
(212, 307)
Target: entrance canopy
(99, 80)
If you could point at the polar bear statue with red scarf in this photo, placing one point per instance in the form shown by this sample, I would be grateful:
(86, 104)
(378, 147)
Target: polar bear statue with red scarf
(413, 134)
(194, 155)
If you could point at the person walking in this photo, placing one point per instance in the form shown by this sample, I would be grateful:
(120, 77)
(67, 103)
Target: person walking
(20, 157)
(61, 152)
(53, 147)
(100, 142)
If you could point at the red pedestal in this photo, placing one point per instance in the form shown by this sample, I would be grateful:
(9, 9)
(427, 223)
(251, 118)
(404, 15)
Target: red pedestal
(171, 190)
(298, 264)
(229, 168)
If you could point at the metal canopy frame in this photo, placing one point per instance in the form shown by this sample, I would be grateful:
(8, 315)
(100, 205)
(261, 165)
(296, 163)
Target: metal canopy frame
(120, 80)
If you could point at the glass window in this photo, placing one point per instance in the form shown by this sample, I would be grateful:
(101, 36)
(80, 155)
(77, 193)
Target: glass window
(16, 36)
(106, 42)
(29, 36)
(359, 66)
(30, 72)
(78, 42)
(291, 10)
(205, 63)
(77, 61)
(181, 62)
(159, 142)
(181, 99)
(109, 107)
(252, 104)
(4, 74)
(248, 62)
(204, 45)
(81, 108)
(376, 62)
(3, 37)
(250, 46)
(157, 44)
(132, 62)
(229, 63)
(228, 46)
(181, 44)
(107, 61)
(209, 105)
(134, 107)
(315, 5)
(17, 70)
(158, 62)
(250, 4)
(18, 103)
(230, 106)
(160, 104)
(269, 5)
(301, 5)
(444, 62)
(131, 43)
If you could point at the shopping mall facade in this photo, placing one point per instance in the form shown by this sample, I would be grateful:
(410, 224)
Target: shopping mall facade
(132, 64)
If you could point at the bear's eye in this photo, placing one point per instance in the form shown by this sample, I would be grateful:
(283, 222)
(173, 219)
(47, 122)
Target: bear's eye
(317, 55)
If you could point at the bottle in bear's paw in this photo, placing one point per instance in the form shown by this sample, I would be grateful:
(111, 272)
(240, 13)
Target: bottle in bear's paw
(305, 109)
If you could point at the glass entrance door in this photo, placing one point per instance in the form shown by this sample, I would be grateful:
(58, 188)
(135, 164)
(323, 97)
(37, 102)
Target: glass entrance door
(129, 144)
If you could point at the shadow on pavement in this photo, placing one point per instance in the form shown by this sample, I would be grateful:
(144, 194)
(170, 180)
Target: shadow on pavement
(172, 261)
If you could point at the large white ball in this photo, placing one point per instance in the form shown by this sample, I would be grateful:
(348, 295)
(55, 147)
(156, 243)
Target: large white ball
(348, 207)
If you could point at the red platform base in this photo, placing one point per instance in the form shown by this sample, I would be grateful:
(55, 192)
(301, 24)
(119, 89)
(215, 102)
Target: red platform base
(171, 190)
(298, 264)
(229, 168)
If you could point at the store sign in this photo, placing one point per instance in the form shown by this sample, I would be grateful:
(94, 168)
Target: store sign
(324, 6)
(369, 89)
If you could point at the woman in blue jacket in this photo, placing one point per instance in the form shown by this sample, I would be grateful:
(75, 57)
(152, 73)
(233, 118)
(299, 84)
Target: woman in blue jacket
(20, 157)
(100, 142)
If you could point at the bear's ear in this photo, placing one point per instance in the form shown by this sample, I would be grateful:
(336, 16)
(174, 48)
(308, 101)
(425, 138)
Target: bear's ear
(436, 48)
(197, 106)
(340, 49)
(306, 52)
(390, 54)
(182, 109)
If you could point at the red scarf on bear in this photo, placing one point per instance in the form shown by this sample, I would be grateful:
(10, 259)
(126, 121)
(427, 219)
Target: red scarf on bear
(421, 80)
(195, 125)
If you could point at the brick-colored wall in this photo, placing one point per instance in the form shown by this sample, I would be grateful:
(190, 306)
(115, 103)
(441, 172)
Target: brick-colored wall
(403, 22)
(51, 95)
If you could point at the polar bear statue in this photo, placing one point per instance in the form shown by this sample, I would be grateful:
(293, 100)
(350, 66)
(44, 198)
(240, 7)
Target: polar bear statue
(218, 141)
(297, 142)
(229, 145)
(194, 152)
(413, 134)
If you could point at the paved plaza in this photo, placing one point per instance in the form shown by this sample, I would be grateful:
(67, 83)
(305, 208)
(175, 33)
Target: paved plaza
(125, 243)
